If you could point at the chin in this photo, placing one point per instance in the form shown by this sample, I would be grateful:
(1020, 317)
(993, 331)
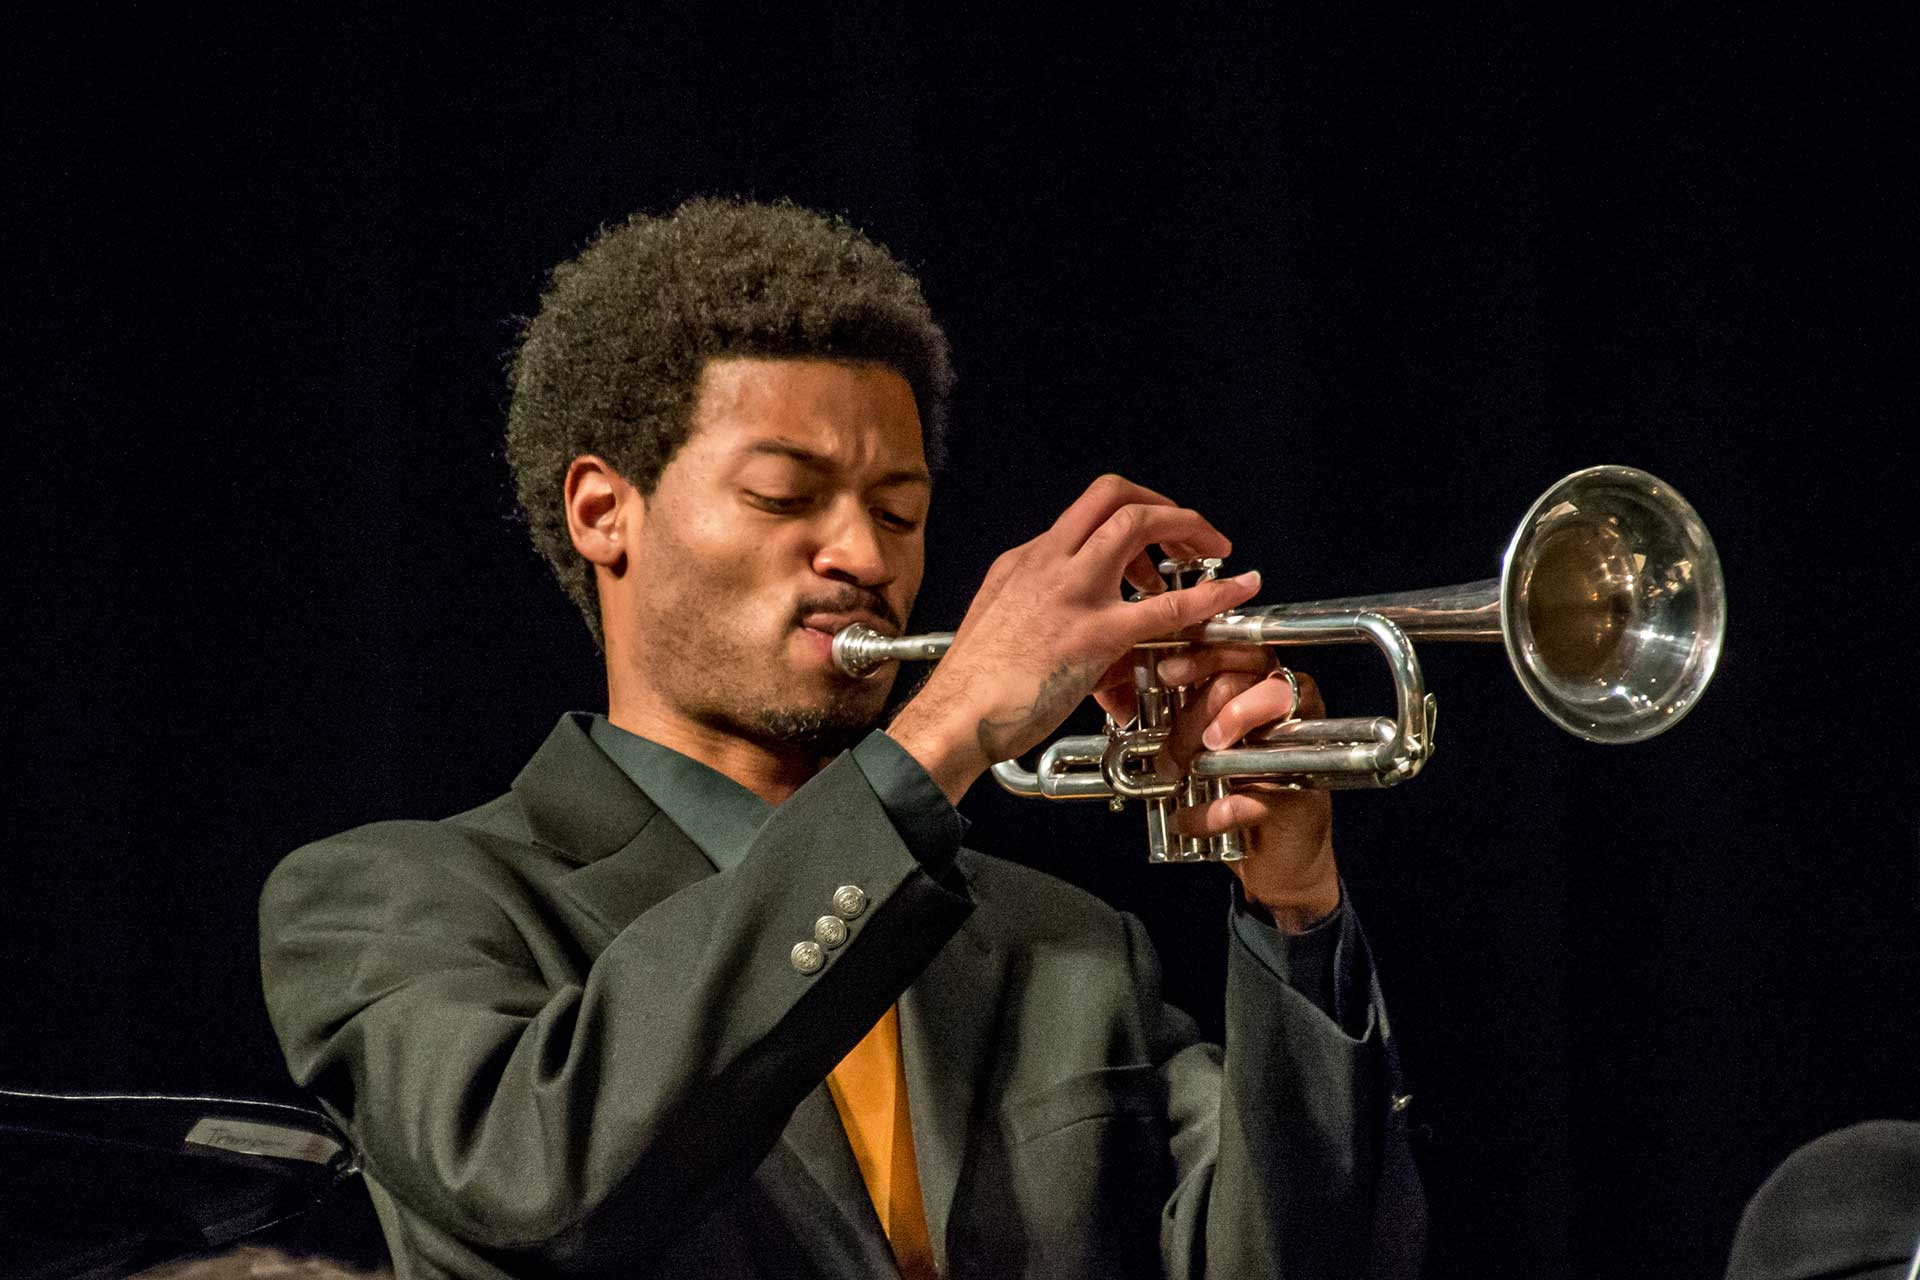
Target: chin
(825, 731)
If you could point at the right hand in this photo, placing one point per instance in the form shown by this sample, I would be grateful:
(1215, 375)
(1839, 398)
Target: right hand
(1049, 627)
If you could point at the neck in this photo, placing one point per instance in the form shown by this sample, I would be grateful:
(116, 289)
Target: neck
(771, 772)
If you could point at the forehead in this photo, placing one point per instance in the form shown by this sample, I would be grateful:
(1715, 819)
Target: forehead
(856, 417)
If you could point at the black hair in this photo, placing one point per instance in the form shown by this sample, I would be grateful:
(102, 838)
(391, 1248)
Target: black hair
(611, 363)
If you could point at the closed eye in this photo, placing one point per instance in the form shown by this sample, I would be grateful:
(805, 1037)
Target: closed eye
(776, 504)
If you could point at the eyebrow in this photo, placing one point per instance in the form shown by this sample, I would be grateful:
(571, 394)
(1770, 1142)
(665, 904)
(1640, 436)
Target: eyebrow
(820, 462)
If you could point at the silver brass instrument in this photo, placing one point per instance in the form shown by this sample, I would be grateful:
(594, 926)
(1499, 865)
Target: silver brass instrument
(1609, 601)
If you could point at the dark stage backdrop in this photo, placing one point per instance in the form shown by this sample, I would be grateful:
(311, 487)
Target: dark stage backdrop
(1358, 287)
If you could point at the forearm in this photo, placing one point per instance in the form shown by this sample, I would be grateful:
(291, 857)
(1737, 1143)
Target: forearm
(1312, 1176)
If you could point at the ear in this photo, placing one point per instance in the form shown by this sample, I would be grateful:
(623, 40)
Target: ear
(602, 512)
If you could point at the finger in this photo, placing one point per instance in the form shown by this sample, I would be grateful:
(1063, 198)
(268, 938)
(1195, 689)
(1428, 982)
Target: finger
(1201, 709)
(1090, 510)
(1115, 692)
(1172, 612)
(1311, 706)
(1130, 529)
(1235, 812)
(1143, 577)
(1250, 809)
(1266, 702)
(1201, 662)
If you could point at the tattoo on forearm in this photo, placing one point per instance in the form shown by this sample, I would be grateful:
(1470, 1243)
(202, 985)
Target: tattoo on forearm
(1000, 736)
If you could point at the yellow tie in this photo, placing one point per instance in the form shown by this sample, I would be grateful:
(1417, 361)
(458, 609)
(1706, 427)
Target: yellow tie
(870, 1089)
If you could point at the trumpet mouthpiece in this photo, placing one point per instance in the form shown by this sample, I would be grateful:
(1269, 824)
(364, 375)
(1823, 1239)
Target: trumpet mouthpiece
(859, 650)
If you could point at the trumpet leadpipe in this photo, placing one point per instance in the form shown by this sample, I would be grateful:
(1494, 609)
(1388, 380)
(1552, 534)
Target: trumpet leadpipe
(859, 650)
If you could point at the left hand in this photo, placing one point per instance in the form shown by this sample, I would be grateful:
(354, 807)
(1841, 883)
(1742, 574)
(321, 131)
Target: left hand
(1289, 869)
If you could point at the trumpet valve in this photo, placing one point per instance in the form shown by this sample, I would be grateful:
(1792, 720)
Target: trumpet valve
(1185, 573)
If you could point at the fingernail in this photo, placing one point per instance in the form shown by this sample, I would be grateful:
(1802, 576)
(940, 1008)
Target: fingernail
(1251, 578)
(1176, 670)
(1214, 738)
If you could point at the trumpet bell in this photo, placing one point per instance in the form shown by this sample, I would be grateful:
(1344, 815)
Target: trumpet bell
(1612, 605)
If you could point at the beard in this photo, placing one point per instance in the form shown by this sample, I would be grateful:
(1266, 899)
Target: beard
(852, 710)
(720, 682)
(823, 731)
(720, 668)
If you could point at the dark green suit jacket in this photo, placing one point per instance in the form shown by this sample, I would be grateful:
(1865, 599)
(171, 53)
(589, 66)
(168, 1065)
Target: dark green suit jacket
(566, 1046)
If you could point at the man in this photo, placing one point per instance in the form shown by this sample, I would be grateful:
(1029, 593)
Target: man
(713, 990)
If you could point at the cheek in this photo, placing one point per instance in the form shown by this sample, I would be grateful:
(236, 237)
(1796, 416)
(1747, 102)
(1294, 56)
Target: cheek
(704, 545)
(747, 572)
(913, 572)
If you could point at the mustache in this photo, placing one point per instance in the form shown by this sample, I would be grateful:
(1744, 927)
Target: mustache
(849, 601)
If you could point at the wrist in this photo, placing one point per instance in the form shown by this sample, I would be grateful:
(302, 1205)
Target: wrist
(1299, 918)
(1293, 909)
(946, 750)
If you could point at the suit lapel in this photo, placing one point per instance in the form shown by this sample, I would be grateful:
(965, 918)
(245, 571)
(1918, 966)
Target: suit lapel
(948, 1020)
(629, 855)
(576, 801)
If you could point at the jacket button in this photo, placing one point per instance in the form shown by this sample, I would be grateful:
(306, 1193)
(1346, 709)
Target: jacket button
(807, 957)
(1402, 1101)
(830, 931)
(849, 900)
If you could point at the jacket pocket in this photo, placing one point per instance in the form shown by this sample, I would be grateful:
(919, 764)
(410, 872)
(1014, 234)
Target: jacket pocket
(1135, 1092)
(1070, 1181)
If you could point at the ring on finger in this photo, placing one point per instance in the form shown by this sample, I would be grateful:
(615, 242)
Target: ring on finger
(1293, 684)
(1266, 786)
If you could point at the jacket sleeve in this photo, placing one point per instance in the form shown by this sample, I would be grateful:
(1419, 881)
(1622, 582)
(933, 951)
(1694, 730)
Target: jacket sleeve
(1291, 1157)
(517, 1105)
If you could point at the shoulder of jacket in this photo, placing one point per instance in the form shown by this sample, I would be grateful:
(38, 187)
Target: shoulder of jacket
(465, 845)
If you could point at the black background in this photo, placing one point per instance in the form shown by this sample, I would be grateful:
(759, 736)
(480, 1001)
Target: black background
(1356, 285)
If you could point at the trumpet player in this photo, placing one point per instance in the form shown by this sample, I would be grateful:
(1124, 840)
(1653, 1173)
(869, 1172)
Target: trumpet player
(714, 989)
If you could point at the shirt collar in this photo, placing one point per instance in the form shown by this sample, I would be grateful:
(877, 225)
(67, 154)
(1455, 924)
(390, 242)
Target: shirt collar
(718, 814)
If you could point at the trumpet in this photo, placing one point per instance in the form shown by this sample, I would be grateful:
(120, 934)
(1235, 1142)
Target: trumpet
(1610, 604)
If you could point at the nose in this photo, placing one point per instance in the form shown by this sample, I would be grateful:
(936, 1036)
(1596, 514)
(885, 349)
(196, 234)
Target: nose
(850, 549)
